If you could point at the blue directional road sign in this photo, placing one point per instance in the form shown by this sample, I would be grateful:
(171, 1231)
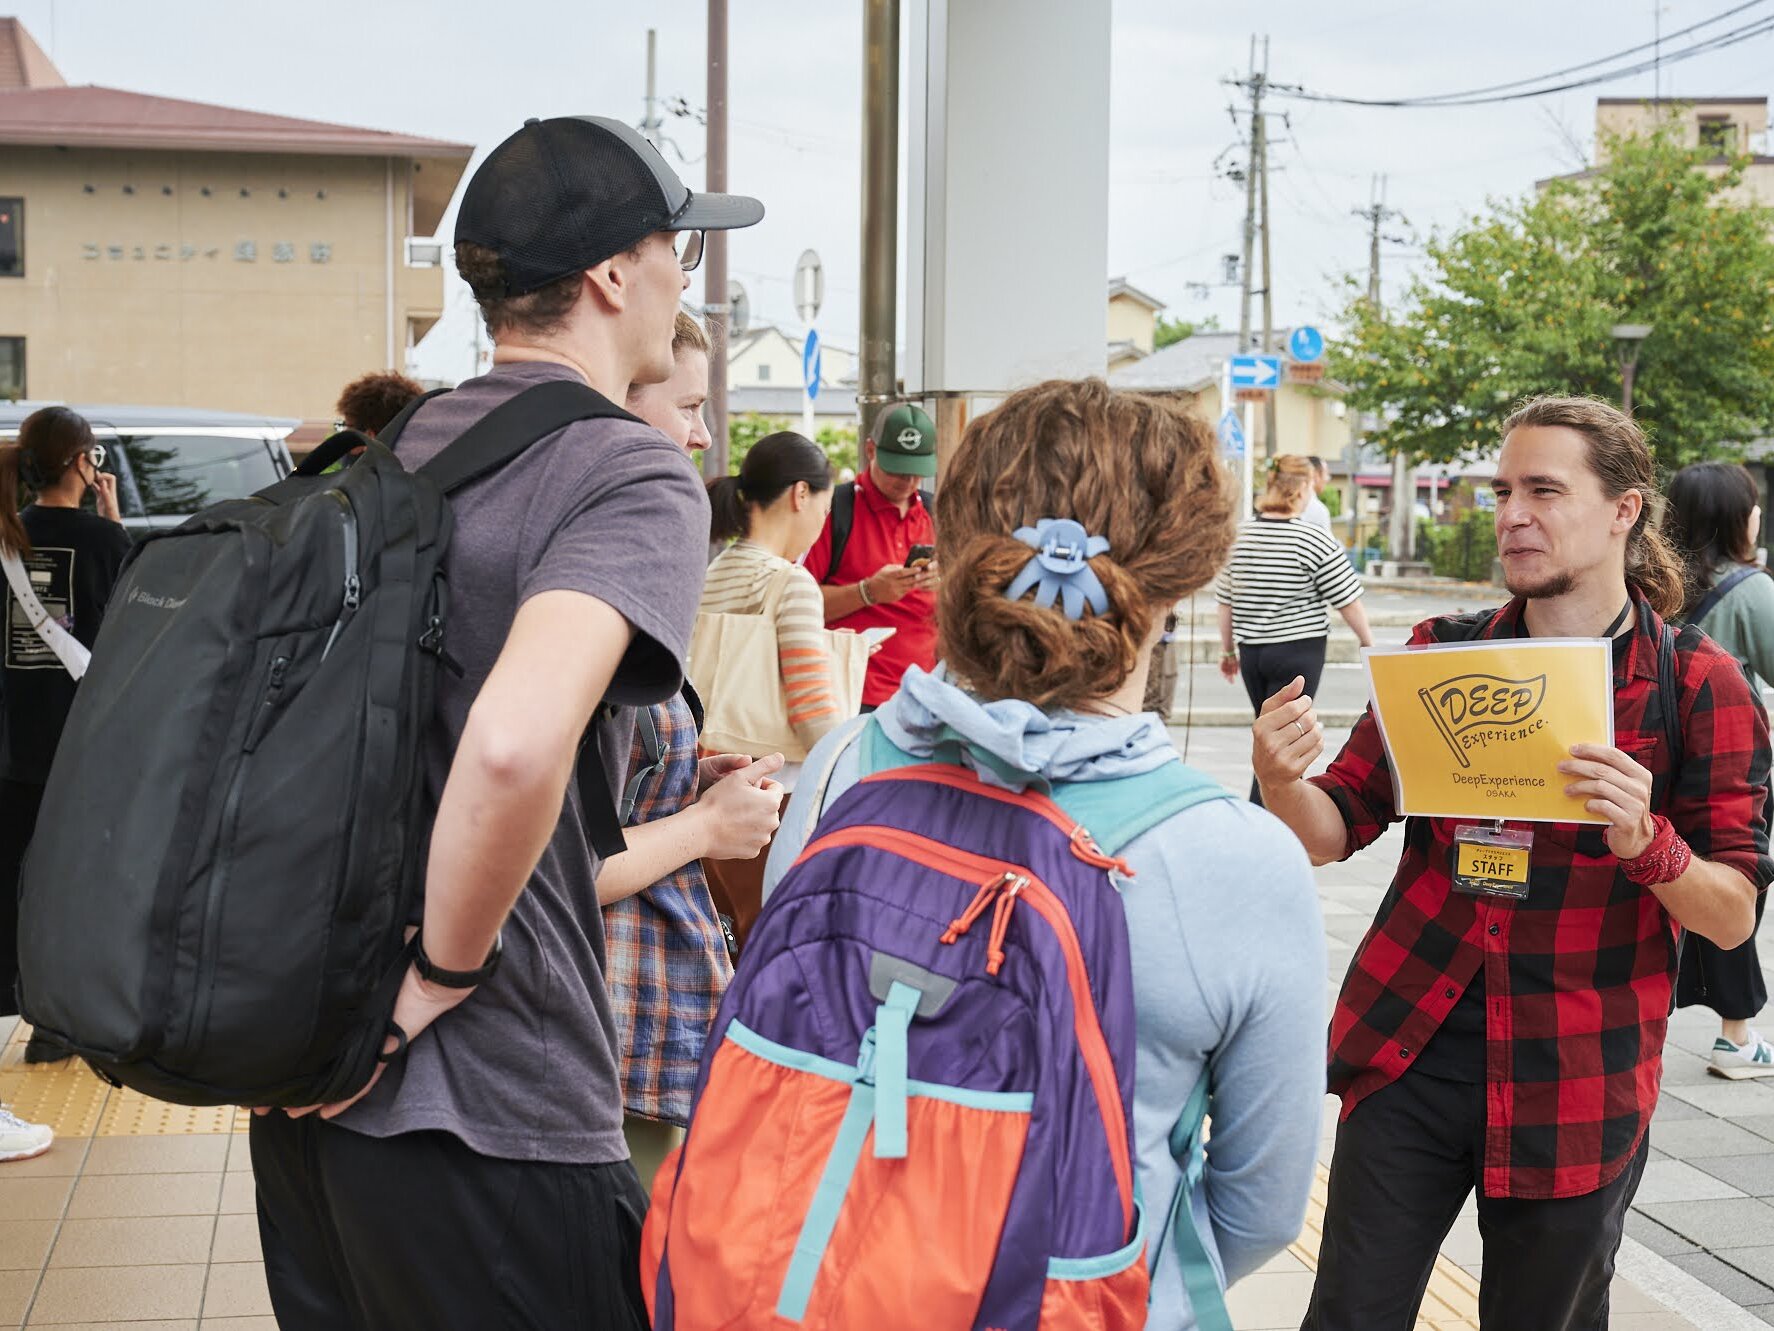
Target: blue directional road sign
(1231, 435)
(1306, 344)
(1256, 371)
(810, 364)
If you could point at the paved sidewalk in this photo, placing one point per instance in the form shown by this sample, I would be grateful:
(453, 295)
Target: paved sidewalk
(1700, 1247)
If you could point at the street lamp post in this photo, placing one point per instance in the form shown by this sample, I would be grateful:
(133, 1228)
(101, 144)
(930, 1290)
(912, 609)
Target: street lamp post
(1628, 338)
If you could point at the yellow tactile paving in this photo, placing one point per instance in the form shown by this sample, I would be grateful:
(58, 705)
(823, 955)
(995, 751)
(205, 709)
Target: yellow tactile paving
(74, 1102)
(1449, 1304)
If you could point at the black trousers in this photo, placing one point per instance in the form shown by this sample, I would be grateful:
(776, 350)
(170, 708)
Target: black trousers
(19, 804)
(1268, 667)
(1406, 1160)
(1729, 982)
(418, 1233)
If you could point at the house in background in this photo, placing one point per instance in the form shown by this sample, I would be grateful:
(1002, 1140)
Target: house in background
(172, 252)
(764, 376)
(1133, 323)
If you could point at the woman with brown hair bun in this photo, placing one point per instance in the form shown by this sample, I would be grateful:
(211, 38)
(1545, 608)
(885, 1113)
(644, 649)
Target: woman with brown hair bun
(1283, 572)
(1070, 519)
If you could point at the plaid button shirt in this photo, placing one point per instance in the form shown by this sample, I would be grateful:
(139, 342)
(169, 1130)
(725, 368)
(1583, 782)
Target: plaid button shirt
(666, 960)
(1578, 976)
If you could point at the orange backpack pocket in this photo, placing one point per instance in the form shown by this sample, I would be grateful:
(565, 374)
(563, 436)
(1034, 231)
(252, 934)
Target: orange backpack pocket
(1107, 1293)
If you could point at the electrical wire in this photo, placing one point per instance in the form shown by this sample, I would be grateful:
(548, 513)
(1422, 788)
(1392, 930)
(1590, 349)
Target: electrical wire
(1758, 28)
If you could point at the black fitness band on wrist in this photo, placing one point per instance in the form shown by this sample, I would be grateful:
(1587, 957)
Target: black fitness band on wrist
(432, 973)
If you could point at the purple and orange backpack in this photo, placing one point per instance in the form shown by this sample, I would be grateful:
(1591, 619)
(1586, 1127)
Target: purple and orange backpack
(914, 1108)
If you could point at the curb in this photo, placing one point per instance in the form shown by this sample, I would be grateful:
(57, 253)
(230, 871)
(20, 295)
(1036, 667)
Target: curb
(1684, 1295)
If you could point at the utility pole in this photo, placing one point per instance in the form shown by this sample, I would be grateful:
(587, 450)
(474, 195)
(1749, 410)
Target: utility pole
(1260, 134)
(650, 121)
(877, 372)
(714, 258)
(1255, 85)
(1401, 534)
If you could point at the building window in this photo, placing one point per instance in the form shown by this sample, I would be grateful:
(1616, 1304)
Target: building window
(12, 237)
(763, 374)
(12, 368)
(1718, 136)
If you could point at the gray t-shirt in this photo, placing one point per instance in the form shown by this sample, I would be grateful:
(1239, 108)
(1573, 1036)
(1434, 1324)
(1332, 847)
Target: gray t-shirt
(528, 1067)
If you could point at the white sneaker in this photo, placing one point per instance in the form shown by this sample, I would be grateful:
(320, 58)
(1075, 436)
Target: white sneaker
(1754, 1058)
(20, 1140)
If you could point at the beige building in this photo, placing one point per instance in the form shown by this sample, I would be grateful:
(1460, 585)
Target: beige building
(1727, 125)
(767, 357)
(1133, 323)
(179, 254)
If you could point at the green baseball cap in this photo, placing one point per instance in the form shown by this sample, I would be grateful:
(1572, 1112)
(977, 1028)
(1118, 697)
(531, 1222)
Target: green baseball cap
(905, 441)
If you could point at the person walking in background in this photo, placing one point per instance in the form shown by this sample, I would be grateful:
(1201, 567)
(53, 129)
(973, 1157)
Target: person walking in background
(666, 956)
(1273, 592)
(370, 401)
(875, 560)
(1037, 690)
(1316, 512)
(1712, 519)
(71, 559)
(772, 511)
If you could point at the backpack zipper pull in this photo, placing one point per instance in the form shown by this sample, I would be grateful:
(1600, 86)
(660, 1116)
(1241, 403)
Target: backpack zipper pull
(1001, 924)
(975, 908)
(1085, 848)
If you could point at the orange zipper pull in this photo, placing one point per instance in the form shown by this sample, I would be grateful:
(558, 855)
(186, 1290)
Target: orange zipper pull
(975, 908)
(1001, 923)
(1085, 848)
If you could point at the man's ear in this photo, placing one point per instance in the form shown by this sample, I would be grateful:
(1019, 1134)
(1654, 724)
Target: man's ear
(609, 283)
(1626, 510)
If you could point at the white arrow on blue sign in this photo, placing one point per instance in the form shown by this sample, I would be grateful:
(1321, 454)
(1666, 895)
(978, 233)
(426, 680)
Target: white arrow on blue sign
(810, 364)
(1306, 344)
(1256, 371)
(1232, 435)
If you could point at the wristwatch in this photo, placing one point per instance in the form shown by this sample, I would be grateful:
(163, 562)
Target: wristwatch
(432, 973)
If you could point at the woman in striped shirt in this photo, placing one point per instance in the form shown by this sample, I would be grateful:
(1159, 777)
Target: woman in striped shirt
(1273, 592)
(776, 507)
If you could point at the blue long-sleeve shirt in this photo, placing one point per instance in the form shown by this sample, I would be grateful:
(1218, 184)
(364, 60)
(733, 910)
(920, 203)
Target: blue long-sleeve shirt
(1228, 966)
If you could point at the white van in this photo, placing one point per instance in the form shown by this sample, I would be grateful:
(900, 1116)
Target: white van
(171, 462)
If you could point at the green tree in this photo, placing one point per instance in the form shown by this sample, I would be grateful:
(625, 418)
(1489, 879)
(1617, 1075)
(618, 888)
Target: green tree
(1167, 331)
(1520, 301)
(744, 430)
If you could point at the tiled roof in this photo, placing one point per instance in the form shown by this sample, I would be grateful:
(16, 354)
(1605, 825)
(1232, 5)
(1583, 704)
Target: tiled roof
(22, 62)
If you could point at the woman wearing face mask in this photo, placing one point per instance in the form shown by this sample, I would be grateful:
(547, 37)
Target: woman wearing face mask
(72, 558)
(666, 956)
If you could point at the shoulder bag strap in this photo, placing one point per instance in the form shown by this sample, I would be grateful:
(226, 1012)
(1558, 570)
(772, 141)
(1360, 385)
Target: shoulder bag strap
(843, 519)
(1669, 702)
(1718, 590)
(68, 649)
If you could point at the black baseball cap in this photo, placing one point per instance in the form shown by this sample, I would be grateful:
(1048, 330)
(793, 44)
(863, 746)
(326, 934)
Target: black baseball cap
(564, 194)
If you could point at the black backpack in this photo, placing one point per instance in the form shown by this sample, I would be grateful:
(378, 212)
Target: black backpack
(844, 520)
(233, 836)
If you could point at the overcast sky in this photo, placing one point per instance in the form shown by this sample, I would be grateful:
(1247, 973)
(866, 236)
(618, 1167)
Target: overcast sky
(472, 72)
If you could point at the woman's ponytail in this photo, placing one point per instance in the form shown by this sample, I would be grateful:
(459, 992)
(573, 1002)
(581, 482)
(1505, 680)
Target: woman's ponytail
(13, 539)
(728, 519)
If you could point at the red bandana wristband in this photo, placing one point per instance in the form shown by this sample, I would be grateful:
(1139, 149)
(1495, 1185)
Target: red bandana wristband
(1666, 859)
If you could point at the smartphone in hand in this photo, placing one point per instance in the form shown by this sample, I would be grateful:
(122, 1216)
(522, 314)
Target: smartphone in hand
(919, 555)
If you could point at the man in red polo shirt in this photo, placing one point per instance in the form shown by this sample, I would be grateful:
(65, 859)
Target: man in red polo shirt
(880, 578)
(1512, 1041)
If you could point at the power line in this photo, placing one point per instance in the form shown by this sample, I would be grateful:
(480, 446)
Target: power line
(1722, 41)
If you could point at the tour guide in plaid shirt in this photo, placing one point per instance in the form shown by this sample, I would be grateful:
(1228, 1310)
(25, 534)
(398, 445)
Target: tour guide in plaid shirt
(1516, 1046)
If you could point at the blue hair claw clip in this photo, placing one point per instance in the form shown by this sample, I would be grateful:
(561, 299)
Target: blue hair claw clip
(1059, 569)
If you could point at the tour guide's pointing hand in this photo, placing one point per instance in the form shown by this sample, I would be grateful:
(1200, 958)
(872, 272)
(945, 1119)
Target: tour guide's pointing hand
(1287, 737)
(1614, 787)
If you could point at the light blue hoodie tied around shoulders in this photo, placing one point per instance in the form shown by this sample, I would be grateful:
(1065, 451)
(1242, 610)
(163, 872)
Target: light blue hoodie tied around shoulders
(1228, 960)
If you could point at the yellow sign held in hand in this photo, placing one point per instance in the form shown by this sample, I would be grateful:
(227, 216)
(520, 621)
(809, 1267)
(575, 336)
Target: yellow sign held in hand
(1477, 730)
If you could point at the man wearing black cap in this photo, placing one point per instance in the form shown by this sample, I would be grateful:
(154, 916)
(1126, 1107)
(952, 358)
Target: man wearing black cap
(483, 1180)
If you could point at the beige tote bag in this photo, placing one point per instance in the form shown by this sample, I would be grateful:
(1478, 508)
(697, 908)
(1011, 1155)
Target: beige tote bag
(737, 672)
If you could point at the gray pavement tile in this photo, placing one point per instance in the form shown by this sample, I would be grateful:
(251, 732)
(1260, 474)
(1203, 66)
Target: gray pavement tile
(1703, 1136)
(1760, 1124)
(1669, 1110)
(1678, 1181)
(1765, 1311)
(1757, 1262)
(1735, 1222)
(1660, 1239)
(1727, 1098)
(1752, 1174)
(1681, 1068)
(1727, 1280)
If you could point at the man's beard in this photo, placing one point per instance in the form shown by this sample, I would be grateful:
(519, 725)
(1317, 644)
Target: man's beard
(1553, 584)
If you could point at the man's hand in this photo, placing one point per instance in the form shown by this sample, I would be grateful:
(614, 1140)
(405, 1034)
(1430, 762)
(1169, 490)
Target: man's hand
(104, 490)
(717, 765)
(741, 811)
(896, 582)
(1614, 787)
(1287, 737)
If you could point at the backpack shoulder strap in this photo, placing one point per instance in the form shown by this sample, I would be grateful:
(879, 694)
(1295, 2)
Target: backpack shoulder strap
(1718, 591)
(653, 751)
(843, 519)
(391, 431)
(1117, 812)
(510, 428)
(1187, 1148)
(1464, 628)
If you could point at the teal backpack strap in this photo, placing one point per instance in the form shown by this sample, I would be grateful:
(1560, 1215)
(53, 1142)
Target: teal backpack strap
(878, 754)
(1200, 1279)
(1116, 812)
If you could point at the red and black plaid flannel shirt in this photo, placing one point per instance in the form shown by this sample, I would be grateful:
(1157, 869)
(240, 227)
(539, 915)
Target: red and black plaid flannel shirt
(1579, 975)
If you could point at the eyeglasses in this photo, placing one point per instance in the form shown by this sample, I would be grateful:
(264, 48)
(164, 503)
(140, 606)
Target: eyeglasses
(688, 246)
